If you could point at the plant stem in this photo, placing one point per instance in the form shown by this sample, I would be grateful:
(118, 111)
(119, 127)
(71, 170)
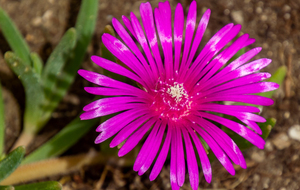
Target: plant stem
(24, 140)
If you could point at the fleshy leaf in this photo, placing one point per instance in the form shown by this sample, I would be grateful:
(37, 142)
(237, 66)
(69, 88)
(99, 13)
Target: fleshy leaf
(53, 68)
(48, 185)
(85, 26)
(266, 129)
(37, 63)
(2, 123)
(14, 38)
(11, 162)
(277, 77)
(33, 91)
(62, 141)
(58, 59)
(7, 188)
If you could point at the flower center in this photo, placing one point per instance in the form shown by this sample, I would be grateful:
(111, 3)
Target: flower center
(171, 100)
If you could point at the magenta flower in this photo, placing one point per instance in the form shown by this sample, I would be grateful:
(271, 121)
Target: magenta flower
(178, 92)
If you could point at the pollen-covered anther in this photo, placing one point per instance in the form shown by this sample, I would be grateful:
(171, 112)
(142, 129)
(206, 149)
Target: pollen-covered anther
(177, 91)
(171, 100)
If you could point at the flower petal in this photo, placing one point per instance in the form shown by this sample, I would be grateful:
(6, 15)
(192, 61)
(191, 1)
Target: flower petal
(116, 68)
(140, 159)
(121, 119)
(133, 47)
(155, 147)
(178, 32)
(180, 155)
(143, 42)
(164, 29)
(161, 157)
(149, 26)
(128, 24)
(205, 163)
(222, 157)
(173, 162)
(189, 32)
(191, 160)
(238, 128)
(129, 129)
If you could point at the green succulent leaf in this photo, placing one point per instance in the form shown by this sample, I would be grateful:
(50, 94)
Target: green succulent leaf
(48, 185)
(33, 90)
(14, 38)
(58, 59)
(11, 162)
(278, 76)
(62, 141)
(37, 63)
(2, 123)
(266, 129)
(85, 26)
(7, 188)
(52, 70)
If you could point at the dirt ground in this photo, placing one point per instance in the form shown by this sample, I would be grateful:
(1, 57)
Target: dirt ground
(275, 24)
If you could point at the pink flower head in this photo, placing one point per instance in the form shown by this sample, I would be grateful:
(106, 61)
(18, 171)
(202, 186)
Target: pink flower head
(178, 92)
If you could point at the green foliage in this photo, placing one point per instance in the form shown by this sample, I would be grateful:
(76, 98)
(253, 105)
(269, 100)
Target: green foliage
(14, 38)
(48, 185)
(7, 188)
(37, 63)
(2, 124)
(265, 127)
(11, 162)
(67, 137)
(33, 91)
(278, 76)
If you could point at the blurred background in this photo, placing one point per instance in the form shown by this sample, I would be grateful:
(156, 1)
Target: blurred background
(275, 24)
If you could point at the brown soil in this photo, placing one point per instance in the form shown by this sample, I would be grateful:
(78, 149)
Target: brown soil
(275, 24)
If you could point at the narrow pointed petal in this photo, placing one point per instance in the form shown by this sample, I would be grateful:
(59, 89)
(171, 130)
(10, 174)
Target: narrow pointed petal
(191, 160)
(143, 41)
(178, 32)
(134, 139)
(162, 157)
(121, 119)
(116, 68)
(149, 26)
(140, 159)
(180, 157)
(222, 157)
(128, 130)
(238, 128)
(173, 162)
(205, 163)
(163, 24)
(189, 32)
(128, 24)
(155, 147)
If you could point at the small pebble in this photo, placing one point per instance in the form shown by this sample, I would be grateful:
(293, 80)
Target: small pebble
(237, 16)
(281, 141)
(258, 156)
(294, 132)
